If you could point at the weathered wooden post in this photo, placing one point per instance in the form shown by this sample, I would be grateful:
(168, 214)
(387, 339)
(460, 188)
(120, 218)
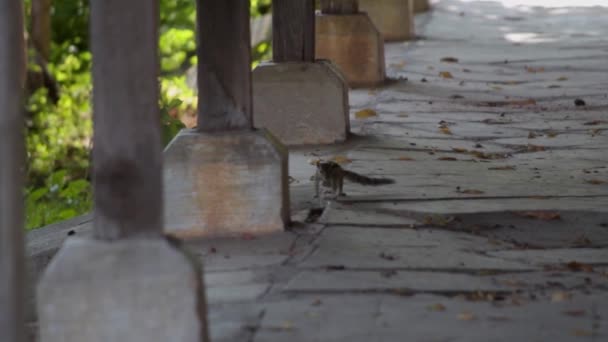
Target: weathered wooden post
(421, 6)
(348, 38)
(300, 100)
(225, 178)
(393, 18)
(127, 283)
(12, 301)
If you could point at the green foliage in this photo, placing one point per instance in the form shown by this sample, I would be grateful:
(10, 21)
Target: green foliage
(59, 134)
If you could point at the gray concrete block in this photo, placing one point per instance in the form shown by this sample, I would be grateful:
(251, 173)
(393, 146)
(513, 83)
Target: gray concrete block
(223, 184)
(301, 103)
(127, 290)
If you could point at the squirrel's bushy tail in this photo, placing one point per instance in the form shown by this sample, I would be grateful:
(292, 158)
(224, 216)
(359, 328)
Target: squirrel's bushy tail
(364, 180)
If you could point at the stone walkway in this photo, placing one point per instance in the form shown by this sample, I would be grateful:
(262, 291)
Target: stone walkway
(495, 128)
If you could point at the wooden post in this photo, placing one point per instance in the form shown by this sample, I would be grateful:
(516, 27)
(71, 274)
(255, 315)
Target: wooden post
(127, 144)
(11, 172)
(224, 65)
(225, 178)
(293, 31)
(340, 6)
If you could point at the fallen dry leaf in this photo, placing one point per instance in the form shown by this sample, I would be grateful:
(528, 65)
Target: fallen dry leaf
(449, 60)
(466, 316)
(466, 70)
(502, 168)
(532, 135)
(595, 181)
(365, 113)
(403, 115)
(563, 78)
(595, 122)
(595, 132)
(446, 74)
(528, 102)
(496, 88)
(445, 130)
(535, 70)
(436, 307)
(404, 158)
(552, 134)
(341, 160)
(540, 215)
(447, 159)
(560, 296)
(535, 148)
(460, 150)
(399, 65)
(579, 267)
(574, 313)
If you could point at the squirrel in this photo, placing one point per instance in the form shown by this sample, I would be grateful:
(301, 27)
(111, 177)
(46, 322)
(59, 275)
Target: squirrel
(331, 174)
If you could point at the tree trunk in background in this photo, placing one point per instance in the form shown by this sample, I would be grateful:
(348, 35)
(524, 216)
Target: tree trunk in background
(41, 27)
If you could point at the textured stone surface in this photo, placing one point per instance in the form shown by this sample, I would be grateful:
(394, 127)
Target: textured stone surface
(301, 103)
(131, 290)
(225, 184)
(353, 43)
(393, 18)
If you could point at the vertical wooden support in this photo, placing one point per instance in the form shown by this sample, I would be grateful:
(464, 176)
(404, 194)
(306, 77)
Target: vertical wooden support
(224, 65)
(127, 143)
(293, 31)
(225, 178)
(11, 169)
(339, 6)
(127, 283)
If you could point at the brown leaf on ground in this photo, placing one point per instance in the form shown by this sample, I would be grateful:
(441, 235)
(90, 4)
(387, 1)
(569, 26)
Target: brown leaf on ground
(404, 158)
(341, 160)
(466, 316)
(484, 155)
(535, 148)
(399, 65)
(574, 313)
(535, 70)
(436, 307)
(579, 267)
(447, 159)
(540, 215)
(528, 102)
(471, 192)
(532, 135)
(595, 132)
(595, 122)
(502, 168)
(460, 150)
(403, 115)
(563, 78)
(446, 74)
(449, 60)
(582, 241)
(365, 113)
(445, 130)
(560, 296)
(595, 181)
(552, 134)
(554, 86)
(466, 70)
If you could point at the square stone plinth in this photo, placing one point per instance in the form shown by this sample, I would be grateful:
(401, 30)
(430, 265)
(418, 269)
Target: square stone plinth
(301, 103)
(136, 290)
(354, 44)
(393, 18)
(225, 184)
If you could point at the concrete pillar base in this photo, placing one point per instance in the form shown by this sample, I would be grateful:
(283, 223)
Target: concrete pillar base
(421, 6)
(225, 184)
(301, 103)
(393, 18)
(354, 45)
(136, 290)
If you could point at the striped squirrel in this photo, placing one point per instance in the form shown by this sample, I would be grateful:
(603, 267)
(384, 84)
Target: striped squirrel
(331, 174)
